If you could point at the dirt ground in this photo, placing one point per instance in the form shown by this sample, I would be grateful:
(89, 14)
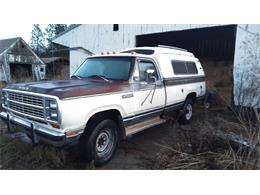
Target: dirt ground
(132, 153)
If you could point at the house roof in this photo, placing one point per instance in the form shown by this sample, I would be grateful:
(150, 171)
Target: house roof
(6, 43)
(82, 49)
(64, 32)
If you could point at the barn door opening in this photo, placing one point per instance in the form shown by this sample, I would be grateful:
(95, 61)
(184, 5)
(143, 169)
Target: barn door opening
(214, 46)
(21, 72)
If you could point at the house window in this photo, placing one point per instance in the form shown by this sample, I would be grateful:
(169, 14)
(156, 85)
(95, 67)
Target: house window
(115, 27)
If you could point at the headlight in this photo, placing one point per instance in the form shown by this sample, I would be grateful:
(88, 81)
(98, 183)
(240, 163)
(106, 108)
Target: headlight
(53, 114)
(53, 105)
(51, 110)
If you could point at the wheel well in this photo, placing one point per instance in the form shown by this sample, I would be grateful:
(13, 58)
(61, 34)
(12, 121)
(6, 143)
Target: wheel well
(191, 96)
(108, 114)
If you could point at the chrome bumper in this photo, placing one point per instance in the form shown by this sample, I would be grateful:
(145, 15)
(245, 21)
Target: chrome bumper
(38, 132)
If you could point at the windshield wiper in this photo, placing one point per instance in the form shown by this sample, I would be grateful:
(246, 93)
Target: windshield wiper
(100, 76)
(76, 76)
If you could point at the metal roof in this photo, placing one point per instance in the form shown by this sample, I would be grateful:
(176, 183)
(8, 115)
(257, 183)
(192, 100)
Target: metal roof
(6, 43)
(64, 32)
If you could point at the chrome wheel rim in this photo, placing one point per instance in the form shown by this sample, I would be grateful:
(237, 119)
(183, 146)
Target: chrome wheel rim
(188, 112)
(104, 142)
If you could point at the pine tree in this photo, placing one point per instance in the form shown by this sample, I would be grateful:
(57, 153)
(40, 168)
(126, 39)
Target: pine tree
(53, 30)
(37, 40)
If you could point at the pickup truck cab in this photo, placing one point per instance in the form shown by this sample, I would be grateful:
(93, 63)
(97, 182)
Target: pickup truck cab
(109, 97)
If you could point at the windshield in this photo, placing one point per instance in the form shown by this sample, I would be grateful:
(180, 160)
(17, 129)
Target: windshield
(111, 68)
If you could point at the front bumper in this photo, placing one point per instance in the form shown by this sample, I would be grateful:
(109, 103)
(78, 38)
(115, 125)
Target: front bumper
(38, 132)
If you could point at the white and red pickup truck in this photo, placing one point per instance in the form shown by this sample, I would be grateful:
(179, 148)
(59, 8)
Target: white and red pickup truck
(108, 98)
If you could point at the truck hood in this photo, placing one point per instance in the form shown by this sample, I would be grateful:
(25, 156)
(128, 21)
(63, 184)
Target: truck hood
(71, 88)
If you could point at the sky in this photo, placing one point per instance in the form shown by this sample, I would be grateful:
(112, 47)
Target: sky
(23, 30)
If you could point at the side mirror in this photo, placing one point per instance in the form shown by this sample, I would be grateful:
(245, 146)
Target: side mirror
(151, 78)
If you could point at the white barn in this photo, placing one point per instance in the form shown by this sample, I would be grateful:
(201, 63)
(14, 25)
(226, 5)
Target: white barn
(230, 54)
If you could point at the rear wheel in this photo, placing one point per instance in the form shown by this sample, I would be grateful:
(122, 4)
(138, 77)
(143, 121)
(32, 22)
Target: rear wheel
(187, 112)
(100, 144)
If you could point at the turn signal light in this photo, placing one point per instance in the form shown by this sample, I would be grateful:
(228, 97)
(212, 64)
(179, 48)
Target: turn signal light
(71, 133)
(54, 125)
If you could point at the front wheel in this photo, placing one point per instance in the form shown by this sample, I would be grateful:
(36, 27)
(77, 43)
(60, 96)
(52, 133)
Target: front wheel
(100, 144)
(187, 112)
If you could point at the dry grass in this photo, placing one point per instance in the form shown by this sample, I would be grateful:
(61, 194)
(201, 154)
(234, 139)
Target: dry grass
(18, 155)
(2, 84)
(220, 142)
(219, 77)
(205, 144)
(64, 74)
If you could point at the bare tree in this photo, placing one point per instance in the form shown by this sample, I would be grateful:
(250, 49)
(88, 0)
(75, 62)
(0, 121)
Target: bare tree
(247, 91)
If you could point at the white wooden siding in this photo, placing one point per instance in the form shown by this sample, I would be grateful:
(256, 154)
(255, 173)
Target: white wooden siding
(76, 58)
(101, 37)
(246, 70)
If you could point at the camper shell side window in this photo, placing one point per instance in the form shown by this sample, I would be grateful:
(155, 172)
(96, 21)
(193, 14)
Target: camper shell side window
(184, 68)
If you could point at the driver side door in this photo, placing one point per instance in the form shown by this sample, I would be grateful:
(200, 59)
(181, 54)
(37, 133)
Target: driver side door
(149, 93)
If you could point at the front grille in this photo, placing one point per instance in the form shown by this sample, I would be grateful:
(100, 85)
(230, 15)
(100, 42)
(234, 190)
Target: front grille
(38, 112)
(30, 105)
(25, 98)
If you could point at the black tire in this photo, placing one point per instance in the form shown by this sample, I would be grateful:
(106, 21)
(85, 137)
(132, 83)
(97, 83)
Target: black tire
(99, 142)
(187, 115)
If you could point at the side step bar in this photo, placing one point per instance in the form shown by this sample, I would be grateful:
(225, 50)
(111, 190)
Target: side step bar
(144, 125)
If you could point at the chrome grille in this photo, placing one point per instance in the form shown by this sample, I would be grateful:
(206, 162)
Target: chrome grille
(38, 112)
(29, 105)
(25, 98)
